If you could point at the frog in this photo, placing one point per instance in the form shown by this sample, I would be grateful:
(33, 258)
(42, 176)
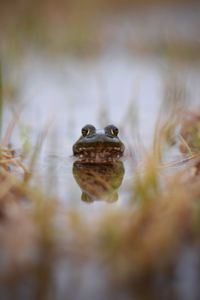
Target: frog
(98, 146)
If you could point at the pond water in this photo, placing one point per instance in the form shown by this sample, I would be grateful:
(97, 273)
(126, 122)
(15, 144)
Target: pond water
(64, 93)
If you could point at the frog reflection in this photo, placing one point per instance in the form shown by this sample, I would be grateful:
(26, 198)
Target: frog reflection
(99, 181)
(98, 169)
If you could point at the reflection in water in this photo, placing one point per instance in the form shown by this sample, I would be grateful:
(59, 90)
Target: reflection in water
(99, 181)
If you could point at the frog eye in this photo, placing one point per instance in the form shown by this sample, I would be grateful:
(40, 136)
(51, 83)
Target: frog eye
(88, 130)
(111, 130)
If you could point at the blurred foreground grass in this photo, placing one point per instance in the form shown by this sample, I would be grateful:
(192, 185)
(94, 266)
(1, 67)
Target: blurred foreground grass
(141, 247)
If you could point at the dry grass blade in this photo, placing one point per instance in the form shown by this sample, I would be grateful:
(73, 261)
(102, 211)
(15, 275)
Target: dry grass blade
(10, 129)
(36, 151)
(1, 100)
(8, 159)
(184, 142)
(180, 161)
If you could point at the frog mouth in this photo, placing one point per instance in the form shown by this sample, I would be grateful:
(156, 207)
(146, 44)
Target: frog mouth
(98, 155)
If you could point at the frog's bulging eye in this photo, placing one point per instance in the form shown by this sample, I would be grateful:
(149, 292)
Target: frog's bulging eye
(111, 130)
(85, 131)
(88, 130)
(114, 131)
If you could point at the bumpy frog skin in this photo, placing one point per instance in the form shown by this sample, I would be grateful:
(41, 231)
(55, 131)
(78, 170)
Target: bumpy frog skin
(98, 146)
